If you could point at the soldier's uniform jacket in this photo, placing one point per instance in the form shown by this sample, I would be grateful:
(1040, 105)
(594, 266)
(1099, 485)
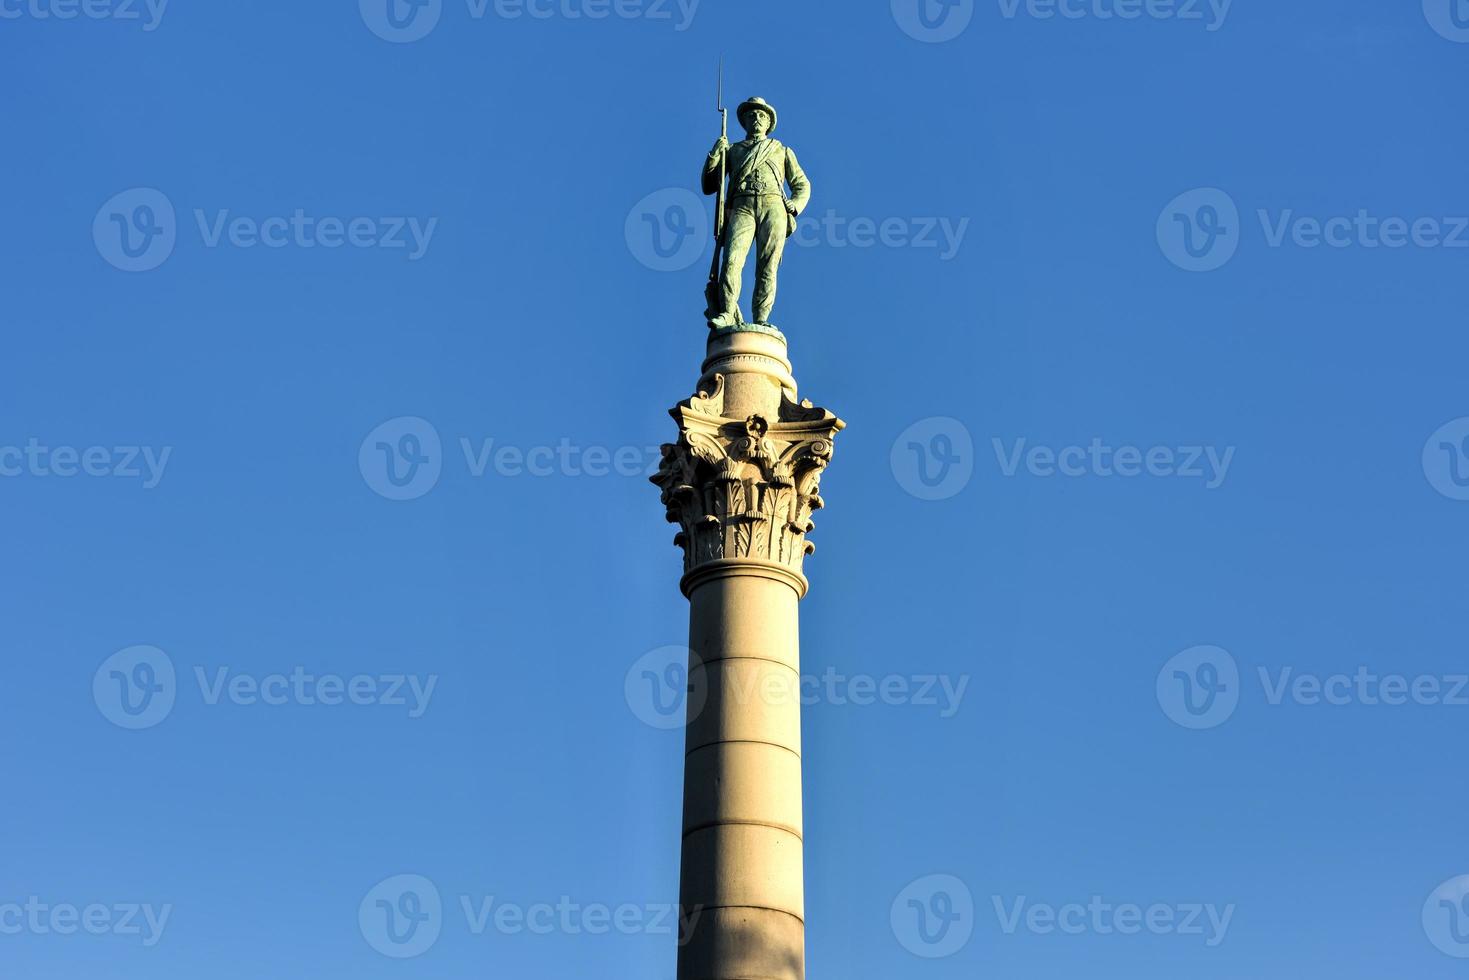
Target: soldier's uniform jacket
(759, 168)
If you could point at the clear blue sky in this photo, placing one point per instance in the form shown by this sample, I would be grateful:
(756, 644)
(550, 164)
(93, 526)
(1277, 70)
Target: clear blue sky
(1078, 305)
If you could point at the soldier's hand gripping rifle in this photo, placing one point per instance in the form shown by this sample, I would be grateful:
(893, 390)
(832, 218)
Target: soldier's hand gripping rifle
(713, 291)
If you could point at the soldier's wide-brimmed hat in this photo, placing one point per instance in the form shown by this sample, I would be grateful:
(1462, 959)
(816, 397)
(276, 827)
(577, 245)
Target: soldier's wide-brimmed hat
(755, 102)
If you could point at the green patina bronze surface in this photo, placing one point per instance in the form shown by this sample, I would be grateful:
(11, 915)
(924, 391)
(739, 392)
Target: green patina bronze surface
(769, 329)
(759, 211)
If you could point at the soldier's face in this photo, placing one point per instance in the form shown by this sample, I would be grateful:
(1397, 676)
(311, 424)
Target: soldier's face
(757, 122)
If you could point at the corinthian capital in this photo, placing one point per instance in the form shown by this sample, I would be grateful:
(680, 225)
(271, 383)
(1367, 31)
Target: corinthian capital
(745, 488)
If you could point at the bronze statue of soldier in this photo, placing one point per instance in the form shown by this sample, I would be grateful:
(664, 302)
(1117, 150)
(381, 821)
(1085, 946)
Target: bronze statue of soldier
(758, 210)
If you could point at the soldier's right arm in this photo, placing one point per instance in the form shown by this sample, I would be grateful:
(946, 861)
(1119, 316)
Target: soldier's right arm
(711, 166)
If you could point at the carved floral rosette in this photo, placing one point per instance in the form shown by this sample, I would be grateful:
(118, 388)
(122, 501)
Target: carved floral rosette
(745, 488)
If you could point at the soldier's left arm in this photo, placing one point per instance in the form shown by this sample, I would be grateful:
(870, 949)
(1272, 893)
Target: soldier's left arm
(796, 177)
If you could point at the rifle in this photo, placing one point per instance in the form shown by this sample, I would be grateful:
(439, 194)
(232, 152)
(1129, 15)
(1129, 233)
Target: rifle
(713, 290)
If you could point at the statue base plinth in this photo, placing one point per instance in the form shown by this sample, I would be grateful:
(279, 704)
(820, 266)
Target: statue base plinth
(766, 328)
(755, 366)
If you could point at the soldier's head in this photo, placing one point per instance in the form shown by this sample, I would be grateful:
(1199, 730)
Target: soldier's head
(757, 116)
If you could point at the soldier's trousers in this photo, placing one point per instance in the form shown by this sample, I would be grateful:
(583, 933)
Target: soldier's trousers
(761, 220)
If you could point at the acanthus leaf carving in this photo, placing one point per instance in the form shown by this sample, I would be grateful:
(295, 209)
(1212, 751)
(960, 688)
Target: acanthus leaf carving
(745, 489)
